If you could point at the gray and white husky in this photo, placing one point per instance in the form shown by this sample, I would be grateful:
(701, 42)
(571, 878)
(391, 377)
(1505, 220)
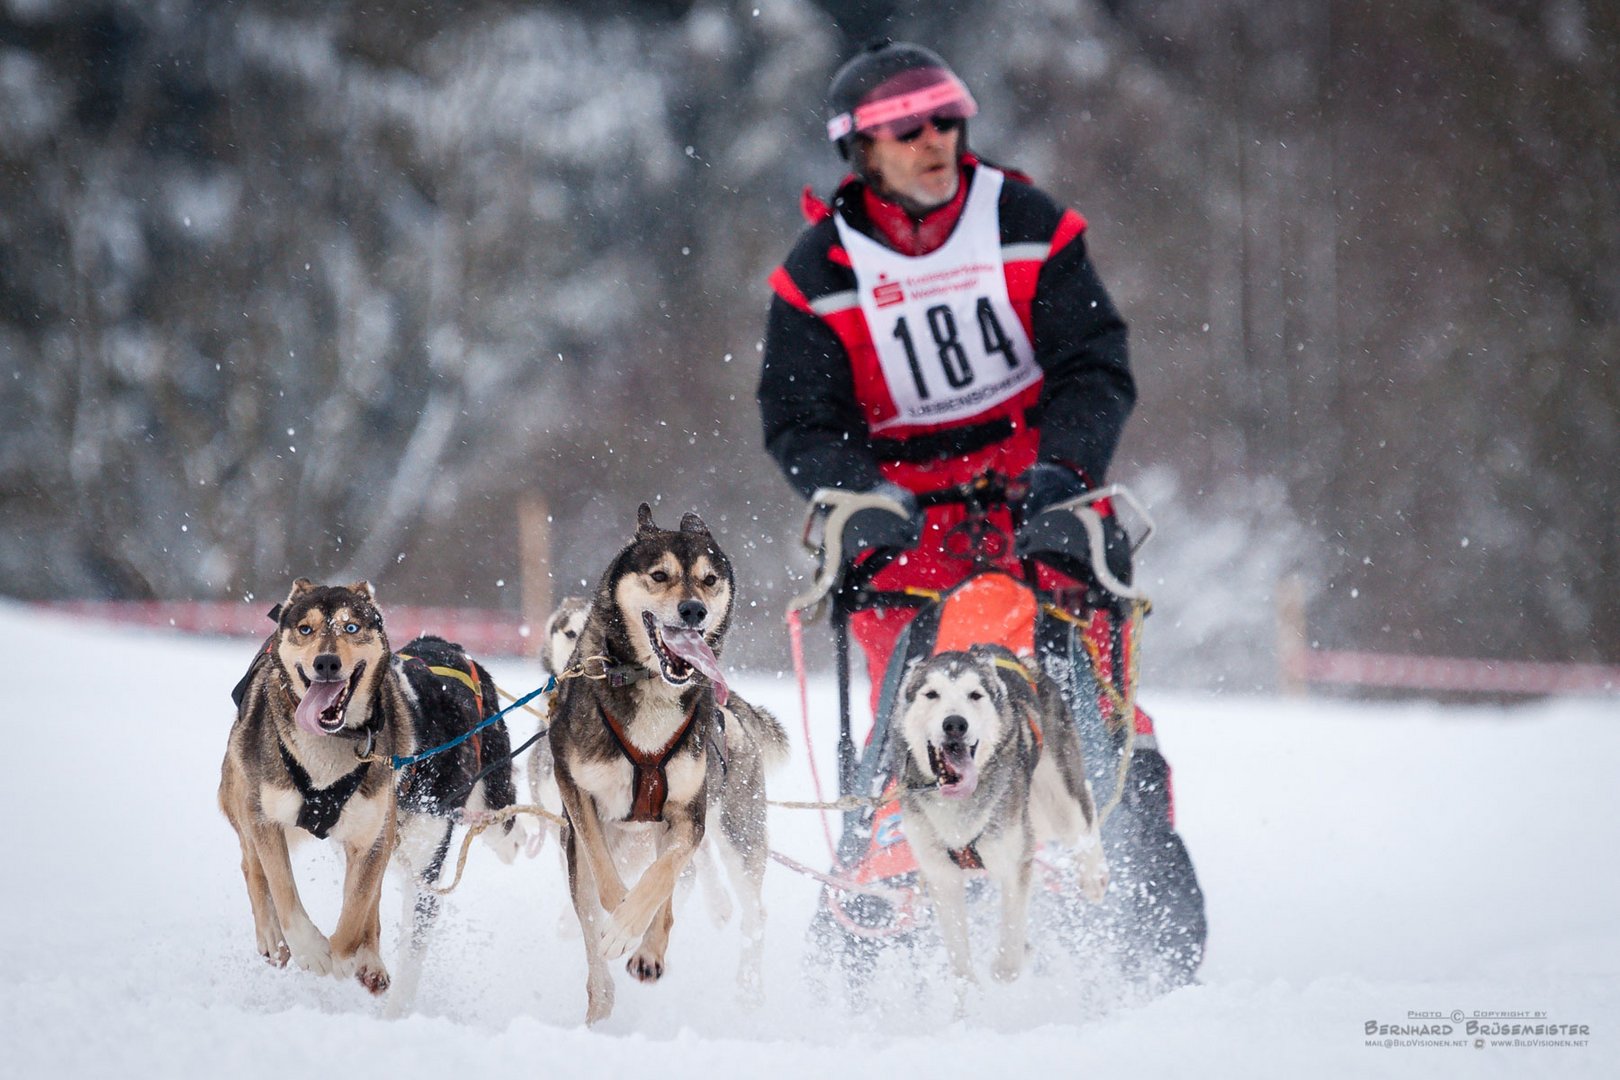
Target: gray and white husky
(563, 628)
(657, 745)
(991, 769)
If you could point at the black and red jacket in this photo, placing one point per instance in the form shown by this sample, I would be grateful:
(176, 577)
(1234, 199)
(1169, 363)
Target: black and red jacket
(815, 417)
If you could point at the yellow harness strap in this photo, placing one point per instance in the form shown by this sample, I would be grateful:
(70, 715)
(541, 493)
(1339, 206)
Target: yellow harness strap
(449, 673)
(1018, 666)
(1029, 677)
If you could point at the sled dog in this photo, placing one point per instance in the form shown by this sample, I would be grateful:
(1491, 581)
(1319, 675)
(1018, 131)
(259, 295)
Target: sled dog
(452, 694)
(657, 744)
(325, 692)
(562, 634)
(991, 768)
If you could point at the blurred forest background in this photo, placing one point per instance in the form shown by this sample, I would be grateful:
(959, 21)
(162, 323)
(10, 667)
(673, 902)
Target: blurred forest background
(327, 288)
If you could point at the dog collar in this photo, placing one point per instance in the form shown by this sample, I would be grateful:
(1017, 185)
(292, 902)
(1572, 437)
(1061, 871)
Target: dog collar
(626, 674)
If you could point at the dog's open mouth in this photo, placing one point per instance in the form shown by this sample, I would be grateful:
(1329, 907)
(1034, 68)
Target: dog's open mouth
(954, 768)
(325, 704)
(682, 653)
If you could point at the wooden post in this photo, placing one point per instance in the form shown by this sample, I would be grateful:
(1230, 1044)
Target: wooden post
(1292, 644)
(534, 553)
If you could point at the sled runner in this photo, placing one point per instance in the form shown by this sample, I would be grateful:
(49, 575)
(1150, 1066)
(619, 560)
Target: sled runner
(1056, 591)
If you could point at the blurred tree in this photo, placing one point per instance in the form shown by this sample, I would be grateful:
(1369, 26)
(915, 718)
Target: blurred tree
(297, 289)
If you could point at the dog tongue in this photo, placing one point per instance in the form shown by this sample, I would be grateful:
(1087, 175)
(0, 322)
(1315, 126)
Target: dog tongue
(967, 775)
(690, 646)
(317, 699)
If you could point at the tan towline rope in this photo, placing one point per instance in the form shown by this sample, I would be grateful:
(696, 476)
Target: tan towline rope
(494, 817)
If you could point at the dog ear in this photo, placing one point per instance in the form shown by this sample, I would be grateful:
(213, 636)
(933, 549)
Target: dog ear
(644, 521)
(364, 589)
(299, 588)
(691, 523)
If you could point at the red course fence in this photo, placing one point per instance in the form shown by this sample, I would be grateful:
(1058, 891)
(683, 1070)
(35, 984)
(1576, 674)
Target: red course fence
(505, 634)
(1445, 674)
(483, 633)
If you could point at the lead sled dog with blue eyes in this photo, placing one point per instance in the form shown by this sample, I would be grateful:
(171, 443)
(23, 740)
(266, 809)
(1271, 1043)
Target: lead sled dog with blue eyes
(649, 743)
(322, 712)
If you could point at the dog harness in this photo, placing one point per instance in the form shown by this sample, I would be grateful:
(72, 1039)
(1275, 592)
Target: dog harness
(322, 806)
(651, 781)
(466, 679)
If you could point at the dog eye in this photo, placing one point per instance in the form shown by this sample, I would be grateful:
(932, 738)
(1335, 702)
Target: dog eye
(975, 695)
(570, 635)
(305, 631)
(351, 628)
(931, 695)
(711, 579)
(659, 576)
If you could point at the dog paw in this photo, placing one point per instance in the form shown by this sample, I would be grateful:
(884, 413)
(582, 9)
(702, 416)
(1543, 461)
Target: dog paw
(274, 950)
(310, 950)
(966, 992)
(1094, 883)
(646, 966)
(1005, 970)
(365, 965)
(372, 975)
(616, 938)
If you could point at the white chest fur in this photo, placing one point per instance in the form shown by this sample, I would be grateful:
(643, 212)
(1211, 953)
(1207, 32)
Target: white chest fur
(656, 722)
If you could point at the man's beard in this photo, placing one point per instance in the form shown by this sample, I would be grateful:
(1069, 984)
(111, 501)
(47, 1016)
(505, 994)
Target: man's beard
(914, 207)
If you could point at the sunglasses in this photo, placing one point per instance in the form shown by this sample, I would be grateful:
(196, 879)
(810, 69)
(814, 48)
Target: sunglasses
(942, 124)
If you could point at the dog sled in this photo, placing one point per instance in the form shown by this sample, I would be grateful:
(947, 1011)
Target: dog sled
(1059, 590)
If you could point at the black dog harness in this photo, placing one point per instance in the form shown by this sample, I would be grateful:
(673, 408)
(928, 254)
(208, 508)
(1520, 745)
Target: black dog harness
(322, 806)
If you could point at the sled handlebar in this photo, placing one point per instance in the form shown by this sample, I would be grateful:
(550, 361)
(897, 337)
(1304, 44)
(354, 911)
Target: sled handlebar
(831, 508)
(1081, 506)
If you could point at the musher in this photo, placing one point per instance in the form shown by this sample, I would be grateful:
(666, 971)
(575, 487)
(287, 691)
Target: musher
(939, 320)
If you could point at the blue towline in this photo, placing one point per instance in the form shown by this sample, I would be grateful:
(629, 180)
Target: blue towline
(400, 762)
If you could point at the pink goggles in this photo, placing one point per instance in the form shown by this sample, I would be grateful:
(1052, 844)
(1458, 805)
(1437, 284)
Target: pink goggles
(900, 114)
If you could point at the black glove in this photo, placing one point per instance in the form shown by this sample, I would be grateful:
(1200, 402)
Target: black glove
(878, 528)
(1046, 483)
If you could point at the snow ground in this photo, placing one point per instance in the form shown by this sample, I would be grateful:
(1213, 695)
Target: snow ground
(1360, 862)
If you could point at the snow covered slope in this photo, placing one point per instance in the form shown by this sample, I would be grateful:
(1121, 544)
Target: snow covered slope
(1361, 862)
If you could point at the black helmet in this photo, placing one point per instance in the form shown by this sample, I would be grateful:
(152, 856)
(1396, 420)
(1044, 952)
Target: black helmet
(892, 86)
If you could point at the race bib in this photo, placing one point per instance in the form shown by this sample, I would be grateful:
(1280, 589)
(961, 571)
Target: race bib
(947, 338)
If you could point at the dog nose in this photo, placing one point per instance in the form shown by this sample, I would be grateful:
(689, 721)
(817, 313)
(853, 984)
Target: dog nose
(955, 728)
(328, 666)
(693, 612)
